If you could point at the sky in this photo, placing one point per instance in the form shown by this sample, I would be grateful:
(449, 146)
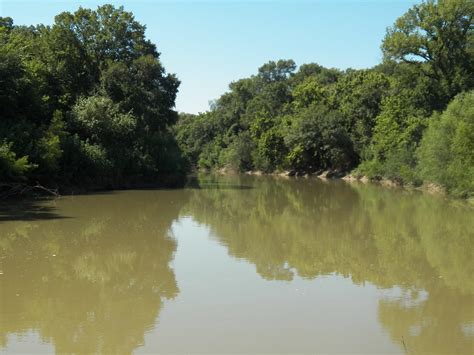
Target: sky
(209, 44)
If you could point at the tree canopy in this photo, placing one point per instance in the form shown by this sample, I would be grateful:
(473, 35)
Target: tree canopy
(85, 101)
(438, 36)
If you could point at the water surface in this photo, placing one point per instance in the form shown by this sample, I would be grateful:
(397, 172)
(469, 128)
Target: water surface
(239, 265)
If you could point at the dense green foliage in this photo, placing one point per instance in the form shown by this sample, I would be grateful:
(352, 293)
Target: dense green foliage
(446, 152)
(85, 101)
(314, 118)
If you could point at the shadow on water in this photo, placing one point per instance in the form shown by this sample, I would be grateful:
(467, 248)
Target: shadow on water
(34, 209)
(210, 183)
(221, 187)
(28, 210)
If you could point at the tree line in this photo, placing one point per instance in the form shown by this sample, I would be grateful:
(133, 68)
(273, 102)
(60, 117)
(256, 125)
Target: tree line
(85, 101)
(409, 119)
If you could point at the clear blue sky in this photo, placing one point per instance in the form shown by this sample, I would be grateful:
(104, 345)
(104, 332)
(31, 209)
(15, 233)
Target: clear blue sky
(208, 44)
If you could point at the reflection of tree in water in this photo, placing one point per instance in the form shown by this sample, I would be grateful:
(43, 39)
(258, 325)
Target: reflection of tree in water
(371, 234)
(105, 286)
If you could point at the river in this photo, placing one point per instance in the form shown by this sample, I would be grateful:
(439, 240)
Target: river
(239, 264)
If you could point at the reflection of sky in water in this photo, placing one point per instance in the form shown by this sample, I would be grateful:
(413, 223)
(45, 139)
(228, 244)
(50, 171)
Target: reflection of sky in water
(415, 330)
(243, 311)
(29, 342)
(405, 298)
(468, 329)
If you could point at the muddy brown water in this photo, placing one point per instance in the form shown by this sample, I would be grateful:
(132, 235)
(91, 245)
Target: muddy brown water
(239, 264)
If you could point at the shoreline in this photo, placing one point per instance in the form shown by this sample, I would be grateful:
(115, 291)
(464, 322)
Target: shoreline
(46, 191)
(426, 187)
(17, 190)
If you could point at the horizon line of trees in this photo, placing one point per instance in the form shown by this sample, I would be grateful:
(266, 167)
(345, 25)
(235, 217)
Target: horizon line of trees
(87, 102)
(409, 119)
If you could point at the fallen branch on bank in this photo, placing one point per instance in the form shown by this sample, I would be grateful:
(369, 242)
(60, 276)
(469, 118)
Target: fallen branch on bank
(19, 189)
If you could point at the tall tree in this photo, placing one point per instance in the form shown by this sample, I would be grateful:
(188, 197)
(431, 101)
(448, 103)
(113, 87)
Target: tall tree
(437, 36)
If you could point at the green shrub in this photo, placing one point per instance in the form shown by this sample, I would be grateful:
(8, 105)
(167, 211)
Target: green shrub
(11, 167)
(446, 153)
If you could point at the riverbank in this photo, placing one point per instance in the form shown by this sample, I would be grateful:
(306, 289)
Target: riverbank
(426, 187)
(55, 189)
(20, 190)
